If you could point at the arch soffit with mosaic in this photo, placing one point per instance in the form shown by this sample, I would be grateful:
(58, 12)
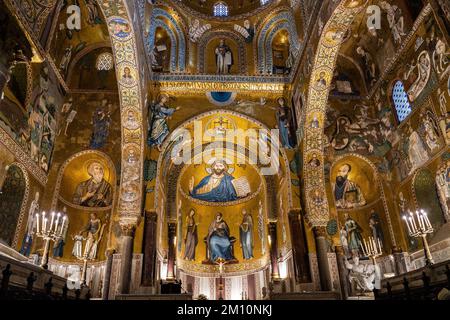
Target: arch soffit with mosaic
(282, 19)
(174, 25)
(162, 159)
(82, 54)
(23, 207)
(324, 64)
(125, 55)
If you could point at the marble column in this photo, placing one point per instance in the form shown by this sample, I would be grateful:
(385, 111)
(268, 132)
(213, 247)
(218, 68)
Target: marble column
(171, 251)
(107, 274)
(322, 258)
(274, 250)
(343, 272)
(300, 255)
(126, 257)
(150, 230)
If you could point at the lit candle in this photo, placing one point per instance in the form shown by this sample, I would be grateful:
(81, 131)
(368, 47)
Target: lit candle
(420, 219)
(37, 223)
(45, 225)
(51, 221)
(362, 247)
(372, 245)
(57, 220)
(62, 225)
(414, 226)
(365, 245)
(427, 221)
(379, 246)
(407, 224)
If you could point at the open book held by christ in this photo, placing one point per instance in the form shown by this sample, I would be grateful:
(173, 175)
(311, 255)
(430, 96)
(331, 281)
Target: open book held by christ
(241, 186)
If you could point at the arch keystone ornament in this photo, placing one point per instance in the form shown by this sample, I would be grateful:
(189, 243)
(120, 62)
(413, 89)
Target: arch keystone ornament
(317, 213)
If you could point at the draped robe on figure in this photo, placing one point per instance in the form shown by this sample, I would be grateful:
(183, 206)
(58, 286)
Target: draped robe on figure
(218, 241)
(208, 191)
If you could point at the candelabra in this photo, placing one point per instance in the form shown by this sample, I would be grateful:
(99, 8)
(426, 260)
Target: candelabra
(85, 258)
(87, 255)
(49, 232)
(419, 226)
(372, 248)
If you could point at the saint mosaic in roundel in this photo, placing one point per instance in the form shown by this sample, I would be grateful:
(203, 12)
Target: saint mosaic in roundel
(119, 27)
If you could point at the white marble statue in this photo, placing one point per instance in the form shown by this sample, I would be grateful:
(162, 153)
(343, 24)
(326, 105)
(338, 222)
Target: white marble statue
(363, 277)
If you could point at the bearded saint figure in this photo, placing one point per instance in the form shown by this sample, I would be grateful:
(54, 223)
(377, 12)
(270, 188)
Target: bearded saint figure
(94, 192)
(346, 192)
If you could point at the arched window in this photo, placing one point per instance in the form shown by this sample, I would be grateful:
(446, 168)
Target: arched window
(401, 101)
(220, 9)
(264, 2)
(104, 62)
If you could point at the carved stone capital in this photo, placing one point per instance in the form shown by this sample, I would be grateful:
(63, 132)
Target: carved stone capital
(128, 225)
(339, 250)
(110, 251)
(320, 231)
(396, 249)
(128, 230)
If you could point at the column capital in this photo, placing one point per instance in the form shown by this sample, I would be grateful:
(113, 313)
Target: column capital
(110, 252)
(396, 249)
(128, 229)
(320, 231)
(339, 250)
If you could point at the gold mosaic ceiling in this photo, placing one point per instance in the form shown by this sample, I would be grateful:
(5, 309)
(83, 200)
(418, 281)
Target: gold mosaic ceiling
(235, 7)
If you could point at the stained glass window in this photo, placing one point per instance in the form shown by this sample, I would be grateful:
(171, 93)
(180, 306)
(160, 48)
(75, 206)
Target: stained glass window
(220, 9)
(401, 101)
(264, 2)
(104, 61)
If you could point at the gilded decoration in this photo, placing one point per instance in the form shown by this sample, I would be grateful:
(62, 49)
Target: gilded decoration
(23, 157)
(241, 121)
(127, 70)
(325, 61)
(219, 83)
(76, 171)
(24, 206)
(365, 174)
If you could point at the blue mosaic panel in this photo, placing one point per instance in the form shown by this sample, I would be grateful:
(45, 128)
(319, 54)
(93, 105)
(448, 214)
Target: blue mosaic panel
(401, 102)
(157, 21)
(220, 10)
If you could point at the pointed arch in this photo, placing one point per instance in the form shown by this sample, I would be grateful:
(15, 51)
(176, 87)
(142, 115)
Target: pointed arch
(123, 40)
(281, 21)
(324, 66)
(161, 18)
